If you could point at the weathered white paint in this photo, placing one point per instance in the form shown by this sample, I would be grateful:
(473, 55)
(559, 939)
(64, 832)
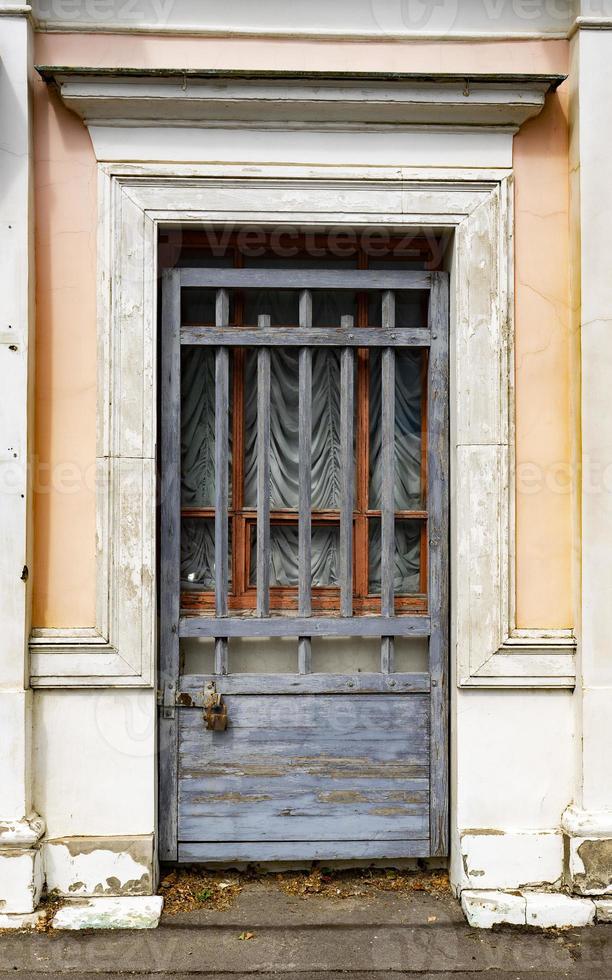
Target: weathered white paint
(21, 920)
(522, 745)
(94, 762)
(483, 909)
(504, 860)
(21, 878)
(20, 861)
(548, 911)
(89, 866)
(262, 147)
(542, 910)
(290, 102)
(109, 913)
(589, 827)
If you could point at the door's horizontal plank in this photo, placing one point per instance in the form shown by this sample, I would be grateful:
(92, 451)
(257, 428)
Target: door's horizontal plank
(223, 800)
(193, 626)
(192, 685)
(305, 337)
(300, 850)
(356, 756)
(305, 785)
(321, 717)
(260, 825)
(297, 278)
(342, 805)
(300, 771)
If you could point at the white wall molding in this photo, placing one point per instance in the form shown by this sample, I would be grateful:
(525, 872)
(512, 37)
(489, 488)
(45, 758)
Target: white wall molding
(528, 658)
(577, 822)
(590, 24)
(343, 19)
(339, 100)
(120, 650)
(15, 10)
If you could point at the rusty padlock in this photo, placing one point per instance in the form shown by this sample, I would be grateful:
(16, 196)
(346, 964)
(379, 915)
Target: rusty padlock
(215, 711)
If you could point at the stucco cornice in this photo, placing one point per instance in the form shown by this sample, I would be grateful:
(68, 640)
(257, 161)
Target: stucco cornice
(342, 100)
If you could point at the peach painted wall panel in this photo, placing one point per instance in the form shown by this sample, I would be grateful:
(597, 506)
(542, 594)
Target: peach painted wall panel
(542, 359)
(64, 588)
(65, 410)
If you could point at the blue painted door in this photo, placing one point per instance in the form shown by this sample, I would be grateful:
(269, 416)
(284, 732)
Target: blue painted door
(269, 534)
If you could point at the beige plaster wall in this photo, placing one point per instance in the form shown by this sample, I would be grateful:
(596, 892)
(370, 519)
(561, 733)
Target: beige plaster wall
(64, 570)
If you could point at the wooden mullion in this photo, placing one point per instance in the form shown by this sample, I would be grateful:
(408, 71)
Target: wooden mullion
(362, 446)
(221, 479)
(305, 485)
(263, 476)
(347, 414)
(387, 501)
(239, 583)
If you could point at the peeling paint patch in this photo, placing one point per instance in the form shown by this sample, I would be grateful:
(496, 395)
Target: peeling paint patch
(596, 858)
(100, 866)
(110, 913)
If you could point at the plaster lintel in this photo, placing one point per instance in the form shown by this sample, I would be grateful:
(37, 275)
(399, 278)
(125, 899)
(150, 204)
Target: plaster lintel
(341, 99)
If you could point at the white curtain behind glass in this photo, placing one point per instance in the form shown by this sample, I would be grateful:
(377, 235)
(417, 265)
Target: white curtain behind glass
(197, 433)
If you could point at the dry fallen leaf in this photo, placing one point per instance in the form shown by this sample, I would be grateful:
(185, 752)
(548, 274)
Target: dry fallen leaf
(246, 935)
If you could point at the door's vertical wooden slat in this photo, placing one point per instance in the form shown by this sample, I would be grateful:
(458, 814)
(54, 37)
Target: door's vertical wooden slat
(263, 475)
(387, 503)
(438, 506)
(347, 412)
(305, 485)
(237, 520)
(361, 552)
(170, 562)
(221, 479)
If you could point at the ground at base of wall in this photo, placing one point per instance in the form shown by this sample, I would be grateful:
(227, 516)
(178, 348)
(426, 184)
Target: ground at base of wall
(198, 890)
(272, 933)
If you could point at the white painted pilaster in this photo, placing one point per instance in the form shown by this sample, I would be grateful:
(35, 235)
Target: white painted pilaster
(591, 207)
(20, 829)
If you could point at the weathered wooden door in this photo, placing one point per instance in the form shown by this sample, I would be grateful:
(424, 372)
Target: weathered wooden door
(320, 759)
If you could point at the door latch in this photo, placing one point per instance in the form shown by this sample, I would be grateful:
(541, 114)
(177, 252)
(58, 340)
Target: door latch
(215, 709)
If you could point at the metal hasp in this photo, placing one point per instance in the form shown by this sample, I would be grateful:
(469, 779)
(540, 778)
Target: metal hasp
(215, 709)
